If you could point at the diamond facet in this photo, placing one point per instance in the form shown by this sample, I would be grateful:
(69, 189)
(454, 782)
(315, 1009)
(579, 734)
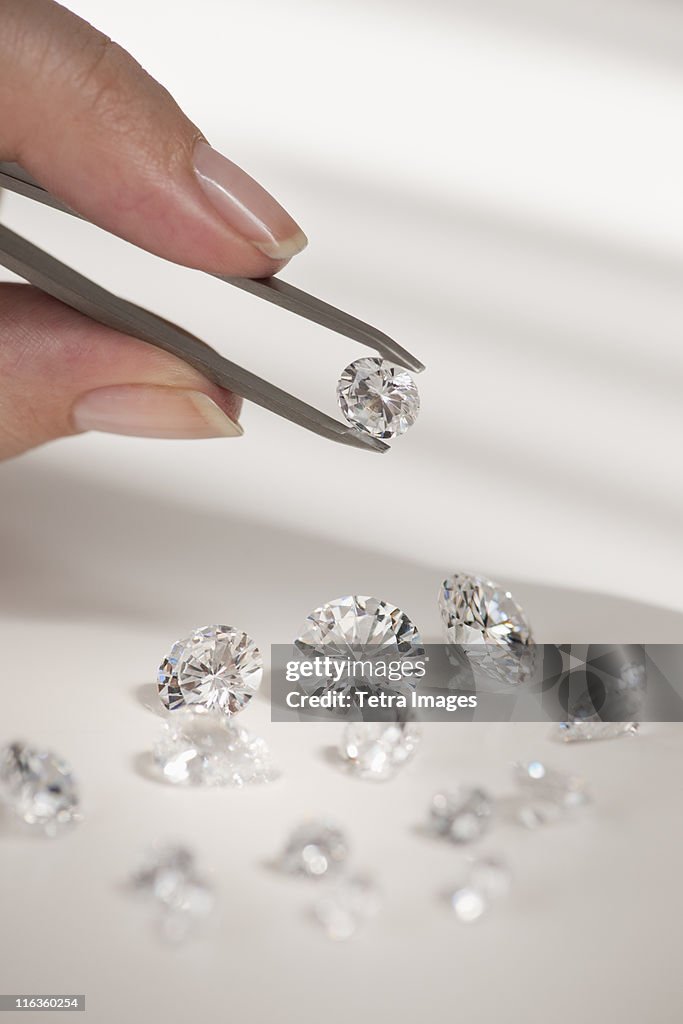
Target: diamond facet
(345, 906)
(546, 795)
(375, 750)
(352, 631)
(377, 397)
(210, 750)
(217, 668)
(585, 731)
(487, 880)
(315, 849)
(461, 815)
(182, 896)
(40, 787)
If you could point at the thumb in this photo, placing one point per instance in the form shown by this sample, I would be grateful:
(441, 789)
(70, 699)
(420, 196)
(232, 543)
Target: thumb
(95, 129)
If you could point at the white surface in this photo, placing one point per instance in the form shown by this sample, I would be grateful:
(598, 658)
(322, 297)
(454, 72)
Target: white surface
(499, 186)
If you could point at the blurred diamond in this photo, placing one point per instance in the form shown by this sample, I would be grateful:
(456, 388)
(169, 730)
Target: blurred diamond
(314, 849)
(182, 896)
(210, 750)
(375, 750)
(468, 903)
(40, 787)
(475, 611)
(352, 632)
(583, 731)
(461, 815)
(217, 668)
(485, 881)
(546, 795)
(378, 398)
(345, 906)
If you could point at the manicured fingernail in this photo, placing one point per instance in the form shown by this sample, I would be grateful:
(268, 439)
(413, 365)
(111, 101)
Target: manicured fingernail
(246, 206)
(146, 410)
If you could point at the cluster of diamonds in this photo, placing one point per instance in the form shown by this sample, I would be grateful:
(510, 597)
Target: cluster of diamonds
(211, 675)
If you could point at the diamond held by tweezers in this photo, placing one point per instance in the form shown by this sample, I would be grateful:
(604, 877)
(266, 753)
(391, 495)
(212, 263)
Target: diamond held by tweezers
(378, 398)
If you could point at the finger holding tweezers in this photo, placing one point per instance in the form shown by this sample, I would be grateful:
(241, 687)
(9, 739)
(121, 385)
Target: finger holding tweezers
(79, 292)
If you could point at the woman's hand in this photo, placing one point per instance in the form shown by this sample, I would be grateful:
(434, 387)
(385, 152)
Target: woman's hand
(85, 120)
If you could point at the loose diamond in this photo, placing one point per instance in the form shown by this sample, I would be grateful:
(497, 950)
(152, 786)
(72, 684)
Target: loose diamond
(40, 787)
(216, 668)
(607, 697)
(350, 633)
(375, 750)
(585, 731)
(377, 397)
(210, 750)
(476, 611)
(546, 795)
(182, 896)
(345, 906)
(462, 815)
(314, 849)
(486, 881)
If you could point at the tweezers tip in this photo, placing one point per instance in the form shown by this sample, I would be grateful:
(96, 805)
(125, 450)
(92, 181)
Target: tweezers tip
(374, 444)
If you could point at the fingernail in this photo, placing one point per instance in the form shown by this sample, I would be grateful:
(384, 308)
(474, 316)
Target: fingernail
(246, 206)
(145, 410)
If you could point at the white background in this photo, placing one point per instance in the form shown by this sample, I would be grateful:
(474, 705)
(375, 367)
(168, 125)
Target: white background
(498, 185)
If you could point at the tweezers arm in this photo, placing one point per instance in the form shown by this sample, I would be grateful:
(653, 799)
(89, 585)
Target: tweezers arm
(272, 289)
(70, 287)
(279, 292)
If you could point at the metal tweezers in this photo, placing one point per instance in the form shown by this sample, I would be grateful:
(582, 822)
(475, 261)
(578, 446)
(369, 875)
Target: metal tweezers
(75, 290)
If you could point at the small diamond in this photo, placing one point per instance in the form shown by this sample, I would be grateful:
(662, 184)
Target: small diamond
(315, 849)
(183, 898)
(346, 906)
(40, 787)
(377, 397)
(585, 731)
(375, 750)
(487, 880)
(547, 795)
(210, 750)
(613, 700)
(476, 611)
(462, 815)
(352, 631)
(216, 668)
(468, 904)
